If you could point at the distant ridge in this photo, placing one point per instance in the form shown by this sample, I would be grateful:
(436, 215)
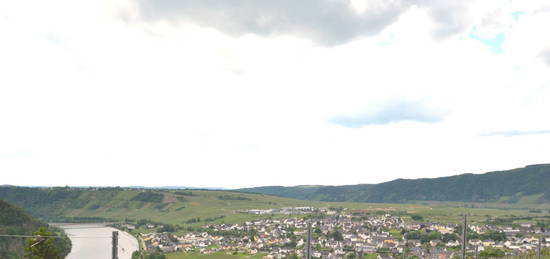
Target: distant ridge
(529, 184)
(176, 188)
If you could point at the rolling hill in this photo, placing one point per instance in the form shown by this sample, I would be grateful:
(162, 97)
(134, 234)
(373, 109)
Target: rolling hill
(184, 207)
(494, 193)
(530, 184)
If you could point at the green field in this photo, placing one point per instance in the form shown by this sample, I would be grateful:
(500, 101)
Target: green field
(213, 256)
(205, 205)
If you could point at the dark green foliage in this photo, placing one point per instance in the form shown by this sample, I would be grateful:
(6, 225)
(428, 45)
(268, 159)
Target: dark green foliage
(336, 235)
(449, 237)
(42, 247)
(417, 217)
(149, 197)
(214, 218)
(167, 228)
(291, 244)
(14, 221)
(423, 236)
(488, 187)
(490, 252)
(491, 235)
(193, 220)
(51, 203)
(317, 230)
(33, 199)
(156, 255)
(233, 198)
(13, 216)
(185, 193)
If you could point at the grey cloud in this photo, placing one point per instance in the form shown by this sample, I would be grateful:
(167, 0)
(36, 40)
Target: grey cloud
(450, 17)
(392, 112)
(329, 22)
(514, 133)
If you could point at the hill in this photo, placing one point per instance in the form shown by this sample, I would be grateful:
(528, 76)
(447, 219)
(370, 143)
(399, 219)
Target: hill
(14, 221)
(530, 184)
(184, 207)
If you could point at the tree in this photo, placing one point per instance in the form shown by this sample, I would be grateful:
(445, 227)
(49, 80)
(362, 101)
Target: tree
(491, 252)
(317, 230)
(336, 235)
(42, 246)
(167, 228)
(449, 237)
(417, 217)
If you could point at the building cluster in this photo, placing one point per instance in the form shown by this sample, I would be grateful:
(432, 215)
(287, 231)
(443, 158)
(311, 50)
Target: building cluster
(285, 211)
(337, 235)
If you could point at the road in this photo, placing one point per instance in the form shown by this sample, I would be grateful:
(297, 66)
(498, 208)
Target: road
(93, 241)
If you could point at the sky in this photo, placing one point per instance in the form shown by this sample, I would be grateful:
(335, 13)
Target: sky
(241, 93)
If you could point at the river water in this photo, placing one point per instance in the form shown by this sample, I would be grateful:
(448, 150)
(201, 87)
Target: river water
(94, 241)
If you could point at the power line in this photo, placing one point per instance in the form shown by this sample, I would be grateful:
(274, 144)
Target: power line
(27, 236)
(82, 227)
(30, 236)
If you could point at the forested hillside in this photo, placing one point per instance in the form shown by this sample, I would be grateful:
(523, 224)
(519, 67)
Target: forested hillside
(530, 184)
(14, 221)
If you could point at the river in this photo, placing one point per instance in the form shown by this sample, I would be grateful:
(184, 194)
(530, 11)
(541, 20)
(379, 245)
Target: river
(93, 241)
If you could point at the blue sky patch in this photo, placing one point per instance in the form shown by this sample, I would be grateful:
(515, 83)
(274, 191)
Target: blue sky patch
(495, 43)
(516, 15)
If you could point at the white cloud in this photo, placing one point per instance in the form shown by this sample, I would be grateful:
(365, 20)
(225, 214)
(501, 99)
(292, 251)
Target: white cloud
(391, 112)
(90, 94)
(326, 21)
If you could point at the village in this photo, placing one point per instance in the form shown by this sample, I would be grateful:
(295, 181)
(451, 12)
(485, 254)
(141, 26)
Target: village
(343, 234)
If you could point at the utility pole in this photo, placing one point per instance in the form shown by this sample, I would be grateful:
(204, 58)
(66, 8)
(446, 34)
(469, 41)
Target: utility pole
(538, 251)
(464, 232)
(476, 251)
(115, 244)
(309, 240)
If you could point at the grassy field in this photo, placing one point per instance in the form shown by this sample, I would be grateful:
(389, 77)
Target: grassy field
(213, 256)
(209, 206)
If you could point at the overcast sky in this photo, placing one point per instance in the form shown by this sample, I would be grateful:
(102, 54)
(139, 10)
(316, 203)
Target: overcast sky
(253, 92)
